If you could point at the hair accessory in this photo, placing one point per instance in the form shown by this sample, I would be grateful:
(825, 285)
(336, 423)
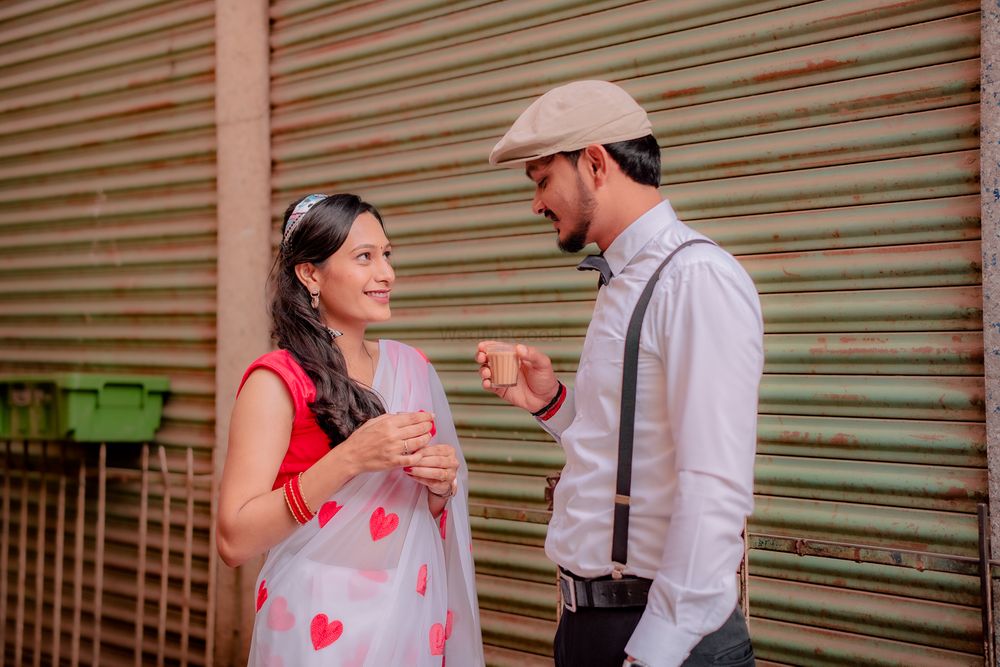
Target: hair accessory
(299, 212)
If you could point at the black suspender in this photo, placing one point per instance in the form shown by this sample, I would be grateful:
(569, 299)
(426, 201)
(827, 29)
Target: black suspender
(626, 428)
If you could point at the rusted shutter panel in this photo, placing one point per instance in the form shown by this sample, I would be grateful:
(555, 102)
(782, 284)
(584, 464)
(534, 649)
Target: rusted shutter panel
(107, 264)
(832, 146)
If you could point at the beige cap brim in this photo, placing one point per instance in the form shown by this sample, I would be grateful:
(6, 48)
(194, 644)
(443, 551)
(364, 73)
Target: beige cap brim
(569, 118)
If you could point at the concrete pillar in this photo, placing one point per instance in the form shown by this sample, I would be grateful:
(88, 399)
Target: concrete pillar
(990, 177)
(242, 112)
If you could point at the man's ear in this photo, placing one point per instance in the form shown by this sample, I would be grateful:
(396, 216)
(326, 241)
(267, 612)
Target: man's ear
(596, 163)
(308, 275)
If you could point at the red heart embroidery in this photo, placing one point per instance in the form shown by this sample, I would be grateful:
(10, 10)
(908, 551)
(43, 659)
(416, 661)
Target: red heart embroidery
(324, 632)
(437, 639)
(382, 524)
(328, 511)
(381, 576)
(360, 587)
(422, 579)
(270, 659)
(278, 616)
(448, 625)
(261, 594)
(358, 660)
(444, 523)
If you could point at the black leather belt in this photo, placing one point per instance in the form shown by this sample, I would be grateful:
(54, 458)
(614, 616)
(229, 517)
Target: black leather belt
(603, 591)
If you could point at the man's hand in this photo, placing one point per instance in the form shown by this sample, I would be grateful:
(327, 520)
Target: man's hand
(536, 381)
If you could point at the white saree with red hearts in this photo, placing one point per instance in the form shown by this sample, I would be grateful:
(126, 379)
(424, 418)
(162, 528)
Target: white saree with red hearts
(374, 580)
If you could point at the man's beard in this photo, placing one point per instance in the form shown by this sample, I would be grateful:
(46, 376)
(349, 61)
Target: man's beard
(577, 238)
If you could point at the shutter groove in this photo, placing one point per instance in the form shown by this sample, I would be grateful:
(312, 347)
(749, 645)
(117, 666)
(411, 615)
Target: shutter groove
(107, 265)
(832, 146)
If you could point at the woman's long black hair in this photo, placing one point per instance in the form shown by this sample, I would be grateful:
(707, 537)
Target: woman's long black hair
(341, 404)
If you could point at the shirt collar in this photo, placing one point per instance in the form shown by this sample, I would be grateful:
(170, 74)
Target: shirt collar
(635, 237)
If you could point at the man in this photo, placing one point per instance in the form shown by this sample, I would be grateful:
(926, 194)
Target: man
(589, 150)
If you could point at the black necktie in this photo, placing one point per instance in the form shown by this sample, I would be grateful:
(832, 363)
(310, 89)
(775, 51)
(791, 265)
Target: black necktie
(597, 263)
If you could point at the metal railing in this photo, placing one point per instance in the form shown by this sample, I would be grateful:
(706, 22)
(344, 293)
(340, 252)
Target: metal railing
(55, 497)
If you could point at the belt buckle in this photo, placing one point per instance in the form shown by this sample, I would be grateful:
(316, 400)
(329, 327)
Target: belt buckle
(569, 601)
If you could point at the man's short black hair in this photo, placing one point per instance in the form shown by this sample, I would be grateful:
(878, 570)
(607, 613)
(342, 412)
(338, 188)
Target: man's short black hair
(639, 158)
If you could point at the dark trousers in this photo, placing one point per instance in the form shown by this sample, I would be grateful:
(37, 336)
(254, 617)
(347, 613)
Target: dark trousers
(591, 637)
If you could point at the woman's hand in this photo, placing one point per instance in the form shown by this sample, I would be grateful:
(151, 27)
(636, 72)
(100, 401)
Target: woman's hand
(536, 381)
(387, 441)
(437, 469)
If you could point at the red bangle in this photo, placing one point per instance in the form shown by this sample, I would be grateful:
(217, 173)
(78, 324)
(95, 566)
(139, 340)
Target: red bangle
(295, 502)
(300, 499)
(287, 493)
(556, 404)
(302, 496)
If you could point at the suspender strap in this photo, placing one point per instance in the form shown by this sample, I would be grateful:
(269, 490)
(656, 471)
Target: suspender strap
(626, 427)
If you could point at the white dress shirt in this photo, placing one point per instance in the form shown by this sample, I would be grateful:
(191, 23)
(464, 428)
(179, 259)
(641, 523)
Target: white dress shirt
(700, 362)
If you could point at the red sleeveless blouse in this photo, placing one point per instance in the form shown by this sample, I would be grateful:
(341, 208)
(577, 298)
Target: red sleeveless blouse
(307, 442)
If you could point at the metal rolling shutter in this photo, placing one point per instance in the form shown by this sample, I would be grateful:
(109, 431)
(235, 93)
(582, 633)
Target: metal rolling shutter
(107, 264)
(831, 145)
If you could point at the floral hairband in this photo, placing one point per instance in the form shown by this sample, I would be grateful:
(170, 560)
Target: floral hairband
(299, 212)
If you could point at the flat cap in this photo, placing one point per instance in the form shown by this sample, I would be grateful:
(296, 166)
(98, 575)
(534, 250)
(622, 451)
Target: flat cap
(570, 117)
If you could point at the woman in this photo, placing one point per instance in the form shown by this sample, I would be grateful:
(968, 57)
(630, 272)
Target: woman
(343, 465)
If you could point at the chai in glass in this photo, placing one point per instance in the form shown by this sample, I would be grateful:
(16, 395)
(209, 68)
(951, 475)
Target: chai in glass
(502, 359)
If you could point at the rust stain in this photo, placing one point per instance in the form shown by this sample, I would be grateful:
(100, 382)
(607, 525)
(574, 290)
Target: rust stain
(957, 492)
(800, 547)
(152, 106)
(737, 163)
(925, 93)
(808, 68)
(887, 9)
(681, 92)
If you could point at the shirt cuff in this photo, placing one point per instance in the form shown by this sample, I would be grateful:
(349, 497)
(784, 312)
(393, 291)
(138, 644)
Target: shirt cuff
(660, 643)
(562, 418)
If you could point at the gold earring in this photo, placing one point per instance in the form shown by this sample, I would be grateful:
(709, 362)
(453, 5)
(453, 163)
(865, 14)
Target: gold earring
(315, 299)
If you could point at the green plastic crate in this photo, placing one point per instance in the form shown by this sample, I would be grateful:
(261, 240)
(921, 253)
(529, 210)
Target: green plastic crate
(81, 407)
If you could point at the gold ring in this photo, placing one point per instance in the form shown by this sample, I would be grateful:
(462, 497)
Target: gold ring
(406, 450)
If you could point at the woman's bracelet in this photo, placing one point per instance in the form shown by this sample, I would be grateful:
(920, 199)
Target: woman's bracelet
(292, 490)
(452, 490)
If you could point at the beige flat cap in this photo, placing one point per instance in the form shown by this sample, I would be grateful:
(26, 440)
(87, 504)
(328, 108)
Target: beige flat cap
(570, 117)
